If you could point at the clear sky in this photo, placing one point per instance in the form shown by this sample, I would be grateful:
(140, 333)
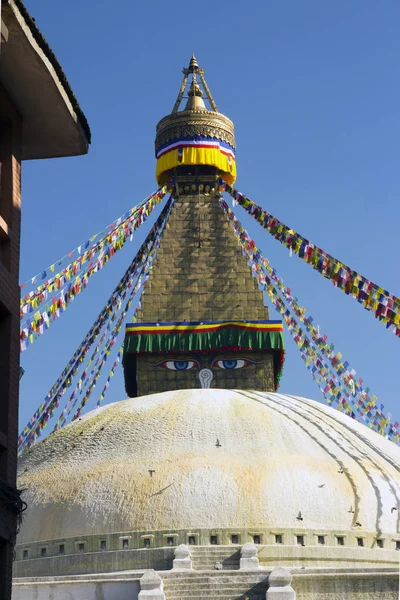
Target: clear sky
(313, 90)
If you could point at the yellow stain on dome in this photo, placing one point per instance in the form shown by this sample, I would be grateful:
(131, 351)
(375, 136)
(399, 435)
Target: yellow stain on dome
(207, 458)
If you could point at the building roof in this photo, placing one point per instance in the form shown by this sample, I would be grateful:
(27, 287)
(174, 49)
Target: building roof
(53, 122)
(212, 459)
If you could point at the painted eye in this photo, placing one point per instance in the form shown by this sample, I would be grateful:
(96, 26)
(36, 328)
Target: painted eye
(178, 365)
(236, 363)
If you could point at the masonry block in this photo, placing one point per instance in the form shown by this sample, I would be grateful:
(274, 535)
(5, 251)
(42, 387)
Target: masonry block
(280, 587)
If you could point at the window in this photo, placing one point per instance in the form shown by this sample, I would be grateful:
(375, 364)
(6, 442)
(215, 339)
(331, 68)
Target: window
(235, 538)
(81, 547)
(25, 554)
(321, 539)
(397, 544)
(379, 543)
(257, 539)
(360, 541)
(61, 549)
(125, 543)
(278, 538)
(43, 552)
(340, 540)
(213, 540)
(170, 541)
(146, 542)
(300, 540)
(192, 540)
(103, 545)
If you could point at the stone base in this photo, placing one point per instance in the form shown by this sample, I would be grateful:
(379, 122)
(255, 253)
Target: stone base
(182, 564)
(280, 585)
(249, 564)
(151, 586)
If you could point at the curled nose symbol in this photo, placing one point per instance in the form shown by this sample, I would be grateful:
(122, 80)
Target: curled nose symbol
(205, 376)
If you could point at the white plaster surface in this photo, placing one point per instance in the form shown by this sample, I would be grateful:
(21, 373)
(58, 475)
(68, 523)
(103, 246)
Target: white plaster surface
(278, 455)
(89, 590)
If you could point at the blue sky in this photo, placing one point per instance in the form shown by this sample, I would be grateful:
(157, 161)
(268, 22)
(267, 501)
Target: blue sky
(312, 88)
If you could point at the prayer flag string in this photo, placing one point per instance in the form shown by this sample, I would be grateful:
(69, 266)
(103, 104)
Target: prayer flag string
(385, 306)
(111, 374)
(86, 245)
(337, 381)
(42, 414)
(123, 229)
(41, 320)
(91, 378)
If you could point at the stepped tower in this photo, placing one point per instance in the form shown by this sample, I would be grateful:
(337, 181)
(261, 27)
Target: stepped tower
(203, 322)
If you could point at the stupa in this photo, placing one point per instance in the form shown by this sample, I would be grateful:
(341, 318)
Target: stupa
(206, 481)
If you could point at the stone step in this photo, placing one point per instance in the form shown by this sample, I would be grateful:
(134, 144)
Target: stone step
(217, 581)
(206, 584)
(244, 596)
(235, 586)
(212, 593)
(214, 575)
(208, 562)
(237, 595)
(216, 551)
(217, 577)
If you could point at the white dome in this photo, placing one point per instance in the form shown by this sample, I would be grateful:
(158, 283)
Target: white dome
(210, 459)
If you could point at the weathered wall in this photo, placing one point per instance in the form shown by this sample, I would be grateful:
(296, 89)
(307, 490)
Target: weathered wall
(96, 562)
(87, 590)
(161, 558)
(333, 584)
(10, 222)
(347, 586)
(153, 375)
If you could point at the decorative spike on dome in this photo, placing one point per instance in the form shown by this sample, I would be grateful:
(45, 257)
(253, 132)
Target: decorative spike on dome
(196, 135)
(193, 70)
(193, 64)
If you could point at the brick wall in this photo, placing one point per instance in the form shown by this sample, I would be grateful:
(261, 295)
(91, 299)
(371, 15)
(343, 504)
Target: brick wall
(10, 222)
(200, 274)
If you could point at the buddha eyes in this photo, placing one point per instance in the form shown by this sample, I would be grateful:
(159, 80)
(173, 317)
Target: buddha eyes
(223, 363)
(231, 363)
(178, 365)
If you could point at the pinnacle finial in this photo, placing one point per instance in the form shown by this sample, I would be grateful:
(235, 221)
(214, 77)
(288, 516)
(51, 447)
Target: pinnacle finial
(194, 70)
(193, 65)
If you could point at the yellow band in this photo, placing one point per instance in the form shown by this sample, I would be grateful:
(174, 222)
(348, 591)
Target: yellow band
(196, 156)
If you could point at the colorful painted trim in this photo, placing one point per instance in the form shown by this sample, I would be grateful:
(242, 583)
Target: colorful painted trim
(216, 154)
(200, 327)
(198, 142)
(203, 337)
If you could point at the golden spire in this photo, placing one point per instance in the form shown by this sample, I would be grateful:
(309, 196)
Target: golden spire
(195, 101)
(179, 133)
(193, 64)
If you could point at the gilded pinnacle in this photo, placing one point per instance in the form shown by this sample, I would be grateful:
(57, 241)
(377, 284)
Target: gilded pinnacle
(193, 66)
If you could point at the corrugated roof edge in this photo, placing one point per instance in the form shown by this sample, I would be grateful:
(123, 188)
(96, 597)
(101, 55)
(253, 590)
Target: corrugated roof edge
(56, 65)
